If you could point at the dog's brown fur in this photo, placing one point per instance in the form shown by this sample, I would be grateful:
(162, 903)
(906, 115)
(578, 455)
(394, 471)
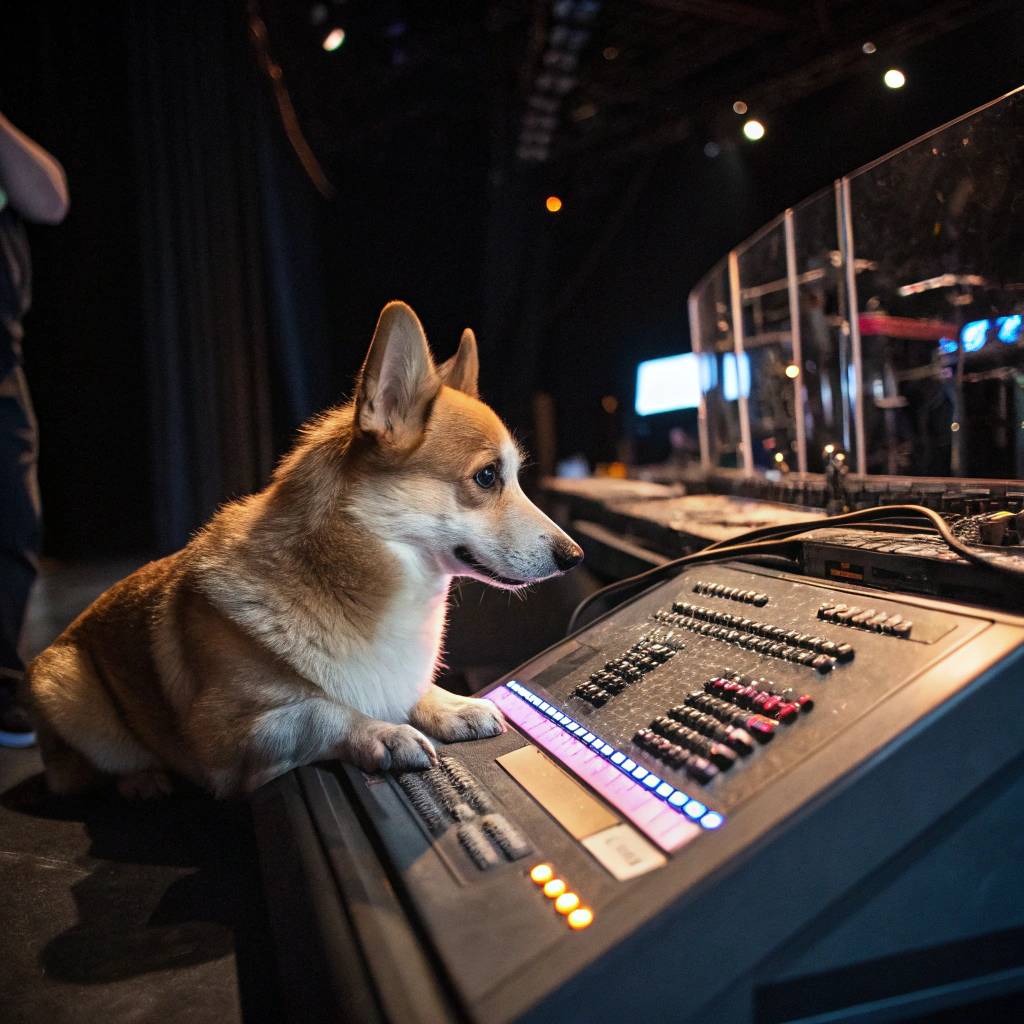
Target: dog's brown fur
(210, 663)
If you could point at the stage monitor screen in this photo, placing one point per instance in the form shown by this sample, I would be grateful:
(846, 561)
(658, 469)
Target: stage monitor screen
(664, 385)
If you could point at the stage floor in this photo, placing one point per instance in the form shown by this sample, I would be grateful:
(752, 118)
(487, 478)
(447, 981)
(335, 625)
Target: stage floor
(124, 912)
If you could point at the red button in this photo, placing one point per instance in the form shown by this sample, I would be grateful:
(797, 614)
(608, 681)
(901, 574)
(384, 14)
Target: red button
(788, 713)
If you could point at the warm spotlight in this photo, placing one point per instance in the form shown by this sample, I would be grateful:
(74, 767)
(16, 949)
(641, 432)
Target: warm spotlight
(553, 203)
(334, 39)
(894, 79)
(753, 130)
(792, 371)
(740, 107)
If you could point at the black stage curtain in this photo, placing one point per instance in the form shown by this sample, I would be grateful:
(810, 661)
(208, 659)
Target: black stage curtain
(234, 324)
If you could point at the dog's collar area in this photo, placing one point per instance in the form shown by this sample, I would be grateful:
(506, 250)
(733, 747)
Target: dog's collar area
(463, 554)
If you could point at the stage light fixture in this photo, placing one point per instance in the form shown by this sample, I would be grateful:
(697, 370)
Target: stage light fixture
(553, 203)
(792, 371)
(753, 130)
(894, 79)
(974, 335)
(869, 47)
(1010, 328)
(334, 39)
(740, 107)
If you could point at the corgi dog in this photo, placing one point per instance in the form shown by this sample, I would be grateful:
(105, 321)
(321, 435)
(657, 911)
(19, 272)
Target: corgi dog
(305, 622)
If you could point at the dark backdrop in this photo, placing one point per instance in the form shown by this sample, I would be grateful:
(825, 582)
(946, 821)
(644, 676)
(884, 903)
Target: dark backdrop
(202, 298)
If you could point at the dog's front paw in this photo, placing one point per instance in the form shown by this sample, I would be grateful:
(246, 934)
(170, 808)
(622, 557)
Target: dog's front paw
(452, 718)
(380, 747)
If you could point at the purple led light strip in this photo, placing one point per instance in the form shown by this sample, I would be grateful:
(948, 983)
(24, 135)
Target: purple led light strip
(664, 814)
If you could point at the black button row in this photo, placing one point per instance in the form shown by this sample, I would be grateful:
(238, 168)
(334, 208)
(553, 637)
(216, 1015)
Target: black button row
(753, 597)
(675, 756)
(474, 794)
(865, 618)
(722, 756)
(759, 726)
(775, 641)
(731, 735)
(646, 654)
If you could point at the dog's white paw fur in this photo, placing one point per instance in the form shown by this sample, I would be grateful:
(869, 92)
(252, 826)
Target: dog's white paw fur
(149, 784)
(381, 747)
(452, 718)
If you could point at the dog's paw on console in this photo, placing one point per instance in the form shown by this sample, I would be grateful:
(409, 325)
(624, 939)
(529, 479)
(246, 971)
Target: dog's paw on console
(381, 747)
(452, 718)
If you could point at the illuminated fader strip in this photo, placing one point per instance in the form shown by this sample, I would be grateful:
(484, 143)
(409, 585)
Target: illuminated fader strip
(663, 813)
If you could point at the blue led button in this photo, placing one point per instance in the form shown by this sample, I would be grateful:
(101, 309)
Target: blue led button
(694, 809)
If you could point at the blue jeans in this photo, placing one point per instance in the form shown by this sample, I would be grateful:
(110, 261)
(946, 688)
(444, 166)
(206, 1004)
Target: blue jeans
(21, 522)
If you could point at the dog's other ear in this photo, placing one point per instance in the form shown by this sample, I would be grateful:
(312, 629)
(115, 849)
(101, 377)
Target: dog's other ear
(398, 381)
(463, 369)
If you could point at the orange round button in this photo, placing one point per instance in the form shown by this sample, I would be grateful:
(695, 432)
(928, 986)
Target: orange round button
(554, 888)
(567, 902)
(542, 873)
(580, 918)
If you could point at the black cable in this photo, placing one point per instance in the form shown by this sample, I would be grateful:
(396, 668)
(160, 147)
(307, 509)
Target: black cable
(768, 540)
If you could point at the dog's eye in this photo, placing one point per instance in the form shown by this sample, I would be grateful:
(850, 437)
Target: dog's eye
(486, 477)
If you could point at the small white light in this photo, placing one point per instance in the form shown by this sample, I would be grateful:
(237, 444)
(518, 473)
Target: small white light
(869, 47)
(753, 130)
(895, 79)
(334, 39)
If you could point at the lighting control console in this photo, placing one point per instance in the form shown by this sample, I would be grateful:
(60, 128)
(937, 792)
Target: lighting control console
(705, 804)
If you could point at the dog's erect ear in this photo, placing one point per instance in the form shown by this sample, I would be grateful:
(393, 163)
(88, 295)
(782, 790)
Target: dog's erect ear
(463, 369)
(398, 381)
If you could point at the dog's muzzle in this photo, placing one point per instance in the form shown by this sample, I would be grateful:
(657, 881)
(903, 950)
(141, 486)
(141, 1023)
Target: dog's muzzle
(464, 555)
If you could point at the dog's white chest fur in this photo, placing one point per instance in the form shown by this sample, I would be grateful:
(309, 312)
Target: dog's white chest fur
(383, 674)
(385, 677)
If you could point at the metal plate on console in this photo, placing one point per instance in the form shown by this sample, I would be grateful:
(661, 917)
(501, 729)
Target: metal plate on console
(579, 813)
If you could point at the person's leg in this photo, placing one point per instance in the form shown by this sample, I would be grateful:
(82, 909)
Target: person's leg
(20, 536)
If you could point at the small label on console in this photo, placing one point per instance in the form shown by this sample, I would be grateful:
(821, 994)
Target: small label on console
(845, 570)
(624, 852)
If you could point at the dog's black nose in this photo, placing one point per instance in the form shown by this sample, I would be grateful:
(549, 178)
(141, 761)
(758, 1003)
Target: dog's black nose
(567, 554)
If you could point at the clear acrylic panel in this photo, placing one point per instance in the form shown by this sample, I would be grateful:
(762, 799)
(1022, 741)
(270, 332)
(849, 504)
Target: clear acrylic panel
(720, 376)
(768, 348)
(938, 235)
(827, 377)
